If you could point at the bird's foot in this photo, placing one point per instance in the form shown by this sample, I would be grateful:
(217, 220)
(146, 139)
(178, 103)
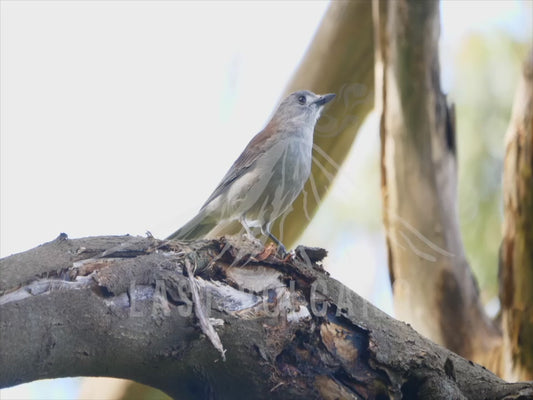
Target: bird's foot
(252, 239)
(282, 251)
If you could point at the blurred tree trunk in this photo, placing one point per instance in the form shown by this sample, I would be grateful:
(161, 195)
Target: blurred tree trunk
(516, 263)
(433, 286)
(339, 60)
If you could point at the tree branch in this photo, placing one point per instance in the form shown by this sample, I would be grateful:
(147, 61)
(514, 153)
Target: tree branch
(338, 60)
(121, 307)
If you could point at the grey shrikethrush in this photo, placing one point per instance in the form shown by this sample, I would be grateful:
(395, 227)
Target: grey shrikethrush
(267, 177)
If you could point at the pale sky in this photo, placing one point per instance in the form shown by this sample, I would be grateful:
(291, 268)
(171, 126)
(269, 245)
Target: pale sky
(121, 117)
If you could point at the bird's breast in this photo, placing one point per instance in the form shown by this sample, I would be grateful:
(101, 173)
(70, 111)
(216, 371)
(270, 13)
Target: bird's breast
(271, 185)
(288, 159)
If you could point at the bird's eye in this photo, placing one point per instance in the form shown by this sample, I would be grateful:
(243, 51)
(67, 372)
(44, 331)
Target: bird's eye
(301, 99)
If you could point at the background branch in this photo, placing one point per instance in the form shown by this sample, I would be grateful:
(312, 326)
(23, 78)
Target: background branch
(339, 60)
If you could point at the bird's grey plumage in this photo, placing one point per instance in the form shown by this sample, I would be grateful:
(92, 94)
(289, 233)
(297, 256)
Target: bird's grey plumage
(267, 177)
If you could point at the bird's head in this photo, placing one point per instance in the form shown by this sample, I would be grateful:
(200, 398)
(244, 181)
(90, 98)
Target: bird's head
(302, 107)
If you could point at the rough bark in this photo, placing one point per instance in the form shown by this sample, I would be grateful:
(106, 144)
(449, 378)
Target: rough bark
(434, 288)
(516, 263)
(121, 306)
(339, 60)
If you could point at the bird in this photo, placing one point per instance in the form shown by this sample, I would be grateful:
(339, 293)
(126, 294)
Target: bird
(266, 178)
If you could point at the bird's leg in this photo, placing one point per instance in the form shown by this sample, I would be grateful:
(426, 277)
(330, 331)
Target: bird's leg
(281, 248)
(242, 220)
(249, 234)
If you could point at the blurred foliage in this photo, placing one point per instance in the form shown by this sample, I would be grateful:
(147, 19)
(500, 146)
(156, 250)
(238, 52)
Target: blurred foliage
(138, 391)
(487, 68)
(484, 74)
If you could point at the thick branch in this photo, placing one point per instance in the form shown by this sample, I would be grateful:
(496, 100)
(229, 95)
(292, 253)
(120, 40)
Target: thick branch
(98, 306)
(434, 288)
(516, 274)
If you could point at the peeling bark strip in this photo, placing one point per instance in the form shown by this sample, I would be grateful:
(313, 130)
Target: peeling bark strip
(516, 274)
(434, 288)
(121, 307)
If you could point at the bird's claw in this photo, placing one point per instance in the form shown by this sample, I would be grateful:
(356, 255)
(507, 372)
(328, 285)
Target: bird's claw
(282, 251)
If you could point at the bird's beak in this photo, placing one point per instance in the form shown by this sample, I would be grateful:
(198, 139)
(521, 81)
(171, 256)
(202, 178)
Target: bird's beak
(324, 99)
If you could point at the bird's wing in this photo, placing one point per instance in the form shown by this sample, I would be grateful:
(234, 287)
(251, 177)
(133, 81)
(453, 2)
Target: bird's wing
(241, 166)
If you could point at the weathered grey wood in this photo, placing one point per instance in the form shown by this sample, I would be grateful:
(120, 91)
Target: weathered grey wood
(125, 311)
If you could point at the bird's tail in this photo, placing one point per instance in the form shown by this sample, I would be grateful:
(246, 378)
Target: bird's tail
(196, 228)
